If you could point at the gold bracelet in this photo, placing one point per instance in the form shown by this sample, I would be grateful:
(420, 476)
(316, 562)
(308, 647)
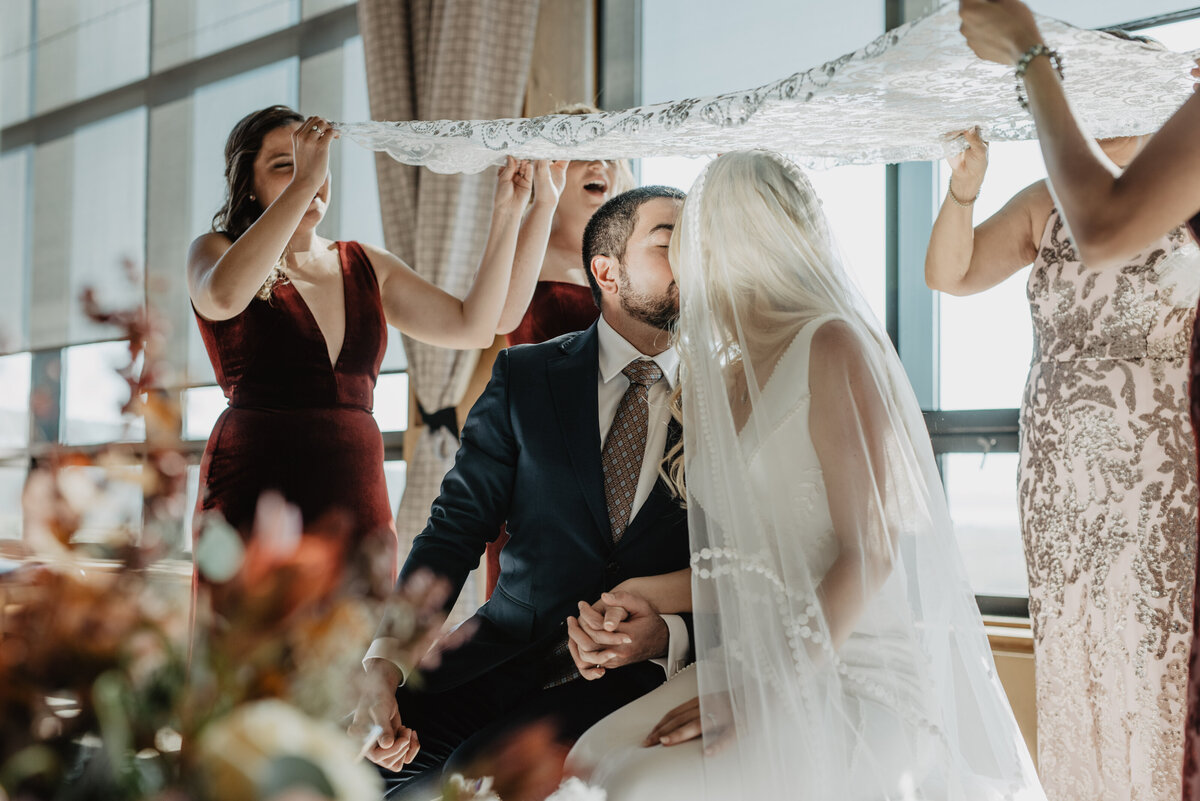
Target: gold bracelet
(968, 204)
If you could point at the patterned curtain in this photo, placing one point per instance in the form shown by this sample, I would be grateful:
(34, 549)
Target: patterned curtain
(440, 59)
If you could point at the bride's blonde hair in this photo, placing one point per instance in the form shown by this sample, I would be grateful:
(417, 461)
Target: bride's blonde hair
(753, 235)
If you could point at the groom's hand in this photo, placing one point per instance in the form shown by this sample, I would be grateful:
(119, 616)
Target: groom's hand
(397, 745)
(601, 639)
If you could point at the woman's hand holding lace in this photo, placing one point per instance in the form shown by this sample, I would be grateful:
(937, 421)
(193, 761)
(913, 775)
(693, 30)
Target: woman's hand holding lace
(514, 183)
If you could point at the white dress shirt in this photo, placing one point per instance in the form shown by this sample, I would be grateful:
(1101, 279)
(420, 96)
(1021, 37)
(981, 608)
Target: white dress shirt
(615, 354)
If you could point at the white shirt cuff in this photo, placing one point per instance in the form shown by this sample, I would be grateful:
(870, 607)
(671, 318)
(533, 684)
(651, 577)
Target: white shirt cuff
(678, 646)
(389, 650)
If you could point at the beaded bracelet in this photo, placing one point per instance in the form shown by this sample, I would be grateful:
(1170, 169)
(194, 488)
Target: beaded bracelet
(966, 204)
(1023, 65)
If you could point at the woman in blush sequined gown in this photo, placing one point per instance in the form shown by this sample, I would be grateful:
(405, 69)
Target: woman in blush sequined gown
(1106, 485)
(1111, 216)
(295, 328)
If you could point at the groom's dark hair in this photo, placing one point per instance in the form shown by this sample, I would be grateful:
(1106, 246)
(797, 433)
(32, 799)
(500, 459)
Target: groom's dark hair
(608, 231)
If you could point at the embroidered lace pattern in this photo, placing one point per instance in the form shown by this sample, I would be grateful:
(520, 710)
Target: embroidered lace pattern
(895, 99)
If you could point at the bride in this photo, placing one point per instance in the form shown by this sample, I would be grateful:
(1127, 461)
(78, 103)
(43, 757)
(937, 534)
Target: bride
(840, 654)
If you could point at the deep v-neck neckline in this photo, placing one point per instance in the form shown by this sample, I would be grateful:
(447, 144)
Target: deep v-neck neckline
(312, 318)
(742, 433)
(766, 384)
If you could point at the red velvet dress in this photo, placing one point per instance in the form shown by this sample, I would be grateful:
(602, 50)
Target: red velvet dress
(295, 423)
(557, 308)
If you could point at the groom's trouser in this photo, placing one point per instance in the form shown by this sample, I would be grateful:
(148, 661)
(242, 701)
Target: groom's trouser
(458, 725)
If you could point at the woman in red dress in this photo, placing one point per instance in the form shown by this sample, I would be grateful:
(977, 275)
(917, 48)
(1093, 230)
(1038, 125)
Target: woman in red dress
(1110, 216)
(295, 326)
(550, 248)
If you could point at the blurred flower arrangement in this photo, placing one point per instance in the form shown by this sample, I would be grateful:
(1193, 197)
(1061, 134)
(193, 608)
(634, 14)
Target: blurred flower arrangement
(118, 681)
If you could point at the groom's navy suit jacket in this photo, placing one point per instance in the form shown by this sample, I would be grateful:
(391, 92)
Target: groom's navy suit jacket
(530, 459)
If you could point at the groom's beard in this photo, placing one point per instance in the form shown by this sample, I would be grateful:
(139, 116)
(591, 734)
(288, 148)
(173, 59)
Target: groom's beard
(659, 311)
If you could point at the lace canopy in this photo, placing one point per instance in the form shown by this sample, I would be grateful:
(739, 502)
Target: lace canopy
(896, 99)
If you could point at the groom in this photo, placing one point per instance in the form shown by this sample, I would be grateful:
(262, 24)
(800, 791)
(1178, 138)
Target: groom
(563, 449)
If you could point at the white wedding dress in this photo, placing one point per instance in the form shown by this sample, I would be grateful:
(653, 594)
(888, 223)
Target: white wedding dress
(840, 654)
(898, 738)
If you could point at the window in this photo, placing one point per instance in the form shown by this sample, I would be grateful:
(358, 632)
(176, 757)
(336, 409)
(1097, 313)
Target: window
(987, 339)
(854, 200)
(12, 482)
(111, 499)
(108, 218)
(14, 402)
(687, 52)
(94, 393)
(83, 49)
(391, 401)
(15, 175)
(113, 120)
(190, 30)
(201, 407)
(16, 40)
(982, 493)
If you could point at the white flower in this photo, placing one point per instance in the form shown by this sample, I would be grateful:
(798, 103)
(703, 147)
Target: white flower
(459, 788)
(575, 790)
(242, 752)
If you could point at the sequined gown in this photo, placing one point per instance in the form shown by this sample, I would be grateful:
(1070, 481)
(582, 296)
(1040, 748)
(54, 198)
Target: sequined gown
(1107, 490)
(1191, 758)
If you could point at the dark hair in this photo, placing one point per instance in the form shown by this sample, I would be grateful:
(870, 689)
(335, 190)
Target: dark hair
(240, 210)
(608, 231)
(241, 149)
(1130, 36)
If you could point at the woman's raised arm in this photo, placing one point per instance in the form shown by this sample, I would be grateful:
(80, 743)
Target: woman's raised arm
(432, 315)
(1110, 217)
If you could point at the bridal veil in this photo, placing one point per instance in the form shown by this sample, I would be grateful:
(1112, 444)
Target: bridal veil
(840, 652)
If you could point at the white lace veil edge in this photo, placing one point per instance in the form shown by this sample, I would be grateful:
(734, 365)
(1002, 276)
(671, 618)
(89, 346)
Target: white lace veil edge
(840, 652)
(896, 99)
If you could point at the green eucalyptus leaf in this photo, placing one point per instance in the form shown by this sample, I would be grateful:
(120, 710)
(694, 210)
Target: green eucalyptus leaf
(219, 552)
(30, 761)
(109, 697)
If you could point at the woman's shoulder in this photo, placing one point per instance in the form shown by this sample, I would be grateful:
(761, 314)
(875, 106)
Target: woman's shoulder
(209, 245)
(834, 335)
(1038, 204)
(837, 345)
(383, 261)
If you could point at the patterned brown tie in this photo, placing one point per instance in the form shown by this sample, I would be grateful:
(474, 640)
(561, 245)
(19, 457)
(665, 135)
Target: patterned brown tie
(625, 445)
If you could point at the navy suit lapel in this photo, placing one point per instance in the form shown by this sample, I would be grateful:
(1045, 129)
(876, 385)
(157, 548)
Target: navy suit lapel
(572, 379)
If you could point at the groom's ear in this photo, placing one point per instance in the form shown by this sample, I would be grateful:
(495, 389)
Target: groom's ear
(606, 269)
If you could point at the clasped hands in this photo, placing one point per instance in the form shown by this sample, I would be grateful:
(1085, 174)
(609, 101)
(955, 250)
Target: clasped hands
(622, 628)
